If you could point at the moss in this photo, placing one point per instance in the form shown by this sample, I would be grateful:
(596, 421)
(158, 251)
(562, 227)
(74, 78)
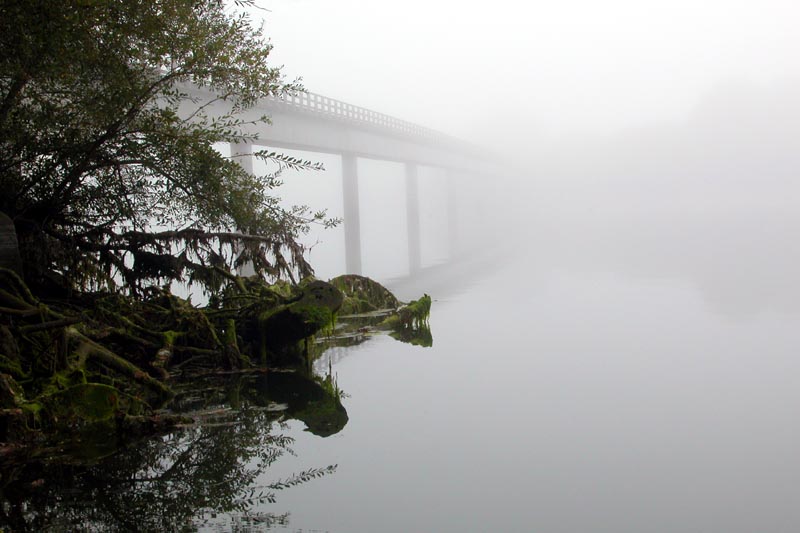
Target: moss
(289, 324)
(64, 380)
(282, 288)
(170, 337)
(413, 316)
(367, 295)
(355, 306)
(13, 367)
(419, 310)
(32, 412)
(316, 317)
(391, 322)
(87, 401)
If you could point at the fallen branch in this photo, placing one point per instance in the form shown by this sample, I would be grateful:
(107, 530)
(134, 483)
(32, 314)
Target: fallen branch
(51, 325)
(87, 348)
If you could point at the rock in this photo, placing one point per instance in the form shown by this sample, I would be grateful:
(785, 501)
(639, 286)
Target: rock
(312, 311)
(363, 295)
(320, 293)
(85, 401)
(9, 248)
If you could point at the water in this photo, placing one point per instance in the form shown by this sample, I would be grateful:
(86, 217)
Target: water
(616, 378)
(624, 378)
(597, 403)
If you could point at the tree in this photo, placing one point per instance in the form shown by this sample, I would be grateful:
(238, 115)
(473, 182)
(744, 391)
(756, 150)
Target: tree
(96, 160)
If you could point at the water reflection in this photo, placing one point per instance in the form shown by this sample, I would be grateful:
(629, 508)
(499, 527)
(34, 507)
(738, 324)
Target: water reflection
(211, 473)
(420, 336)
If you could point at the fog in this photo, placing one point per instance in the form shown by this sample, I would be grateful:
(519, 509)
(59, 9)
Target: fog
(535, 69)
(711, 198)
(624, 355)
(660, 138)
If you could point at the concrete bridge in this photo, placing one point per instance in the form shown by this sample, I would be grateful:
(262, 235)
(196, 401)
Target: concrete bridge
(315, 123)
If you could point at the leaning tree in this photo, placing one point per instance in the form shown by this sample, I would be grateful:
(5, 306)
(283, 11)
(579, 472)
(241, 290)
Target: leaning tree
(108, 183)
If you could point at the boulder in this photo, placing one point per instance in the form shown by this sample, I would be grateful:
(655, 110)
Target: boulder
(363, 295)
(311, 311)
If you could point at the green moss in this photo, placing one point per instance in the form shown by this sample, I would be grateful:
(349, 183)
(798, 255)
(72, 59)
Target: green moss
(413, 315)
(354, 306)
(87, 401)
(170, 337)
(64, 380)
(32, 412)
(315, 317)
(364, 294)
(282, 288)
(10, 366)
(391, 322)
(419, 310)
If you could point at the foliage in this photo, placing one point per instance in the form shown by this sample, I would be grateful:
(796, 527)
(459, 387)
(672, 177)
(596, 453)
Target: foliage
(106, 174)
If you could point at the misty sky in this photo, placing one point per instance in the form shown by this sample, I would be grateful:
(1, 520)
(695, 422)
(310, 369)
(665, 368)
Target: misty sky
(566, 67)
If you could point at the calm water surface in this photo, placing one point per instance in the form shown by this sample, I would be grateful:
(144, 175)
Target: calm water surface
(628, 393)
(643, 383)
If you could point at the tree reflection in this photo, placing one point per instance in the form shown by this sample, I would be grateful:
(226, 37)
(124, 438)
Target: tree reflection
(173, 483)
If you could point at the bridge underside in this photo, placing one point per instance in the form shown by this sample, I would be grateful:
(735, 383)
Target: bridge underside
(314, 130)
(298, 131)
(352, 212)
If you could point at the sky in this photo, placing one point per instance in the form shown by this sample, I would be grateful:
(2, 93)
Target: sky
(550, 69)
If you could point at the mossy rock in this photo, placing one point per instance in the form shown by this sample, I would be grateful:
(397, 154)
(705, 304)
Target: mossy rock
(363, 295)
(82, 404)
(321, 294)
(312, 311)
(85, 402)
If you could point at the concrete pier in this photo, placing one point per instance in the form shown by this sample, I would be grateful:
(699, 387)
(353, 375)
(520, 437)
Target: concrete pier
(352, 218)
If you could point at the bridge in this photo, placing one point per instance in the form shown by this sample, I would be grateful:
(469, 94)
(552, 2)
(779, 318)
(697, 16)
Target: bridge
(315, 123)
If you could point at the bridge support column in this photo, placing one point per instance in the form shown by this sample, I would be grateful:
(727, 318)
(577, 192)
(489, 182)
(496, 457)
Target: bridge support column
(352, 219)
(452, 215)
(412, 218)
(242, 153)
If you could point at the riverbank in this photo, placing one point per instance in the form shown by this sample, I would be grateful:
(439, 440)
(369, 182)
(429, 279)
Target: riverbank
(110, 364)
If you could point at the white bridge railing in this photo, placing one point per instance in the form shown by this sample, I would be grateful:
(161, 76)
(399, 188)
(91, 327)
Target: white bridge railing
(336, 109)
